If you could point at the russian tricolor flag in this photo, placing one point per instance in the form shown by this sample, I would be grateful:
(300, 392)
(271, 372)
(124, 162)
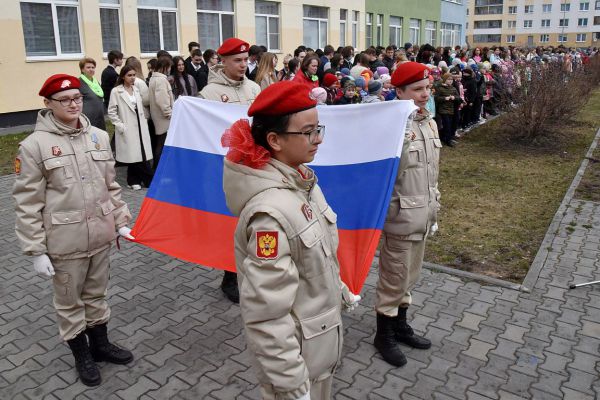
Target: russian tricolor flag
(184, 213)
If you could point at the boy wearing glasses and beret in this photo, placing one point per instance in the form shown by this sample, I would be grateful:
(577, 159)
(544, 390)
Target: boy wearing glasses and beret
(68, 210)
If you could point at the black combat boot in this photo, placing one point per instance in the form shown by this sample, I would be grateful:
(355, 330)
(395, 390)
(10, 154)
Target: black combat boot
(84, 364)
(102, 350)
(385, 341)
(406, 335)
(229, 286)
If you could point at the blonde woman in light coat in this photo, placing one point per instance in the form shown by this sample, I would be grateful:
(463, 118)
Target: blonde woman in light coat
(161, 104)
(132, 139)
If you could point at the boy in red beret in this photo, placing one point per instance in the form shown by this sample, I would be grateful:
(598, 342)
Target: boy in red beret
(69, 209)
(228, 83)
(411, 217)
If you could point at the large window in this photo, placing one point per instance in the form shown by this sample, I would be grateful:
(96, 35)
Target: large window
(355, 16)
(487, 38)
(369, 29)
(379, 29)
(528, 23)
(581, 37)
(545, 23)
(51, 29)
(110, 25)
(490, 24)
(584, 6)
(450, 34)
(512, 9)
(510, 38)
(157, 21)
(430, 30)
(484, 7)
(582, 22)
(215, 22)
(343, 25)
(529, 9)
(415, 31)
(512, 24)
(315, 26)
(563, 22)
(267, 24)
(562, 38)
(564, 7)
(545, 38)
(395, 30)
(547, 8)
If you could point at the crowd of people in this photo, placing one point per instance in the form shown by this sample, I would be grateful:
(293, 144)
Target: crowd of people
(69, 206)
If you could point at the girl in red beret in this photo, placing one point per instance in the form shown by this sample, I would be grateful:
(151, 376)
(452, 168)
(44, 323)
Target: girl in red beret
(291, 294)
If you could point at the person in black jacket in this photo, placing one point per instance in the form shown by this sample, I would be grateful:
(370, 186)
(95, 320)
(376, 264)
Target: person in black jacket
(198, 69)
(109, 76)
(470, 87)
(189, 68)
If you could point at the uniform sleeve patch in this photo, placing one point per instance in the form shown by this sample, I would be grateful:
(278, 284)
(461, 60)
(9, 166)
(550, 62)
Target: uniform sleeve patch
(267, 244)
(17, 165)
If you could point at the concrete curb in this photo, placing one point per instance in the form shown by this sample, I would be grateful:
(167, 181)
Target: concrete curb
(542, 254)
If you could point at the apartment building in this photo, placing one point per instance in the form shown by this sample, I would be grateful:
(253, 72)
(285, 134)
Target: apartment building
(45, 37)
(572, 23)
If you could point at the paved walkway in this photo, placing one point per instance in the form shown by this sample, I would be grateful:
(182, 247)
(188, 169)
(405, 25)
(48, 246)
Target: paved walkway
(488, 342)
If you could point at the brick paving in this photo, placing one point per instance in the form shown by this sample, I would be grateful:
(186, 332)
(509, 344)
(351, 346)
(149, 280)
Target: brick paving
(489, 342)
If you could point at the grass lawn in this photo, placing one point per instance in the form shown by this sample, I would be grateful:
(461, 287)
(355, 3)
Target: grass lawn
(498, 198)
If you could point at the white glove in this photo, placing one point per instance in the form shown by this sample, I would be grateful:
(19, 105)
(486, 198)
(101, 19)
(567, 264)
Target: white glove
(126, 233)
(306, 396)
(352, 303)
(434, 229)
(43, 265)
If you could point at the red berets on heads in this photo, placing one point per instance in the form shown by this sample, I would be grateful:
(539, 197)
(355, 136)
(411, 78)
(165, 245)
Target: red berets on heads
(409, 72)
(329, 79)
(58, 83)
(282, 98)
(233, 46)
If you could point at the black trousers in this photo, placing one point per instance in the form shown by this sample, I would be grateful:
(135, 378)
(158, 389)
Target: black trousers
(139, 173)
(160, 144)
(447, 127)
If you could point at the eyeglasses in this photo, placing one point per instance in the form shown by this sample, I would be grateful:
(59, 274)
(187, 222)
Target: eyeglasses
(313, 134)
(67, 102)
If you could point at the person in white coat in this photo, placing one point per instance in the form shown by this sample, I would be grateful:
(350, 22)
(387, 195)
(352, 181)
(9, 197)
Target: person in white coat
(132, 139)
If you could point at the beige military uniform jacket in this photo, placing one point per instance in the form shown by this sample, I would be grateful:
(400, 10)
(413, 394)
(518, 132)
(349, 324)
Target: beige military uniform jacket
(288, 275)
(221, 88)
(415, 200)
(68, 203)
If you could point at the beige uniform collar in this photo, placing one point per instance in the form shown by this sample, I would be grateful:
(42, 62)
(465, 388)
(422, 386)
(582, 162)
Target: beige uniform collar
(304, 181)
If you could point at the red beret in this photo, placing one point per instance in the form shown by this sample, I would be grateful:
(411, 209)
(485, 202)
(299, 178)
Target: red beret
(409, 72)
(58, 83)
(233, 46)
(329, 79)
(282, 98)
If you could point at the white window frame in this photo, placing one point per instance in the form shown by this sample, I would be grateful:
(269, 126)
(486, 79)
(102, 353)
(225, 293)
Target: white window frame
(546, 8)
(528, 24)
(529, 9)
(221, 13)
(563, 25)
(59, 55)
(319, 20)
(343, 27)
(355, 30)
(431, 32)
(379, 29)
(397, 31)
(160, 27)
(512, 9)
(510, 38)
(453, 32)
(369, 29)
(545, 23)
(117, 7)
(544, 38)
(597, 5)
(584, 6)
(416, 40)
(580, 20)
(564, 38)
(565, 7)
(512, 24)
(581, 37)
(268, 17)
